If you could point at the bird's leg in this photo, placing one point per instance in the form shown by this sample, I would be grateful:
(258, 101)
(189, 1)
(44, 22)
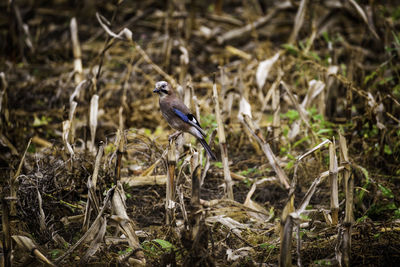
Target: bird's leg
(174, 135)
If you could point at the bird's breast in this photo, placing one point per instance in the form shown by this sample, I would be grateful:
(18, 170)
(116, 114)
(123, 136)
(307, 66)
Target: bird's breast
(172, 119)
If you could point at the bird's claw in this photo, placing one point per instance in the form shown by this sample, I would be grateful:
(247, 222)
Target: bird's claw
(174, 136)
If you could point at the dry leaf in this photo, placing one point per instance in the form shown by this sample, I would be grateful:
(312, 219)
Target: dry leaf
(263, 70)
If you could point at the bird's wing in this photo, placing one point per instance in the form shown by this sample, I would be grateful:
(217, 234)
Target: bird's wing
(189, 118)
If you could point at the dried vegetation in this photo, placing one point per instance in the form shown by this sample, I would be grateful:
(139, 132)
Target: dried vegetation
(300, 100)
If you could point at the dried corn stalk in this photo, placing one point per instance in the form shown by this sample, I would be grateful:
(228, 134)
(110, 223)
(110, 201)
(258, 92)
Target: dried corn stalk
(125, 223)
(92, 201)
(27, 244)
(333, 175)
(76, 49)
(289, 216)
(344, 247)
(299, 20)
(94, 110)
(170, 190)
(222, 143)
(256, 133)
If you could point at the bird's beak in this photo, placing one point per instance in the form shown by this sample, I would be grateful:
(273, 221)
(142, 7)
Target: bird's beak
(156, 90)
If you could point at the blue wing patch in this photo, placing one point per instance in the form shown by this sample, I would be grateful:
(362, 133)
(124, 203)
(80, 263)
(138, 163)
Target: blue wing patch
(190, 119)
(181, 115)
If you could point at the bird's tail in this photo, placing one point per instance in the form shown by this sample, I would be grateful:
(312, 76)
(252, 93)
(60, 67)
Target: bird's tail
(208, 149)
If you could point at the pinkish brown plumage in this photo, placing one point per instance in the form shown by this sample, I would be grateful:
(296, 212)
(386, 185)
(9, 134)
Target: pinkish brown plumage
(179, 116)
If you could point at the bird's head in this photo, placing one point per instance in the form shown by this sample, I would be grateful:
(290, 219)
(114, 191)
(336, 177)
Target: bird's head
(163, 89)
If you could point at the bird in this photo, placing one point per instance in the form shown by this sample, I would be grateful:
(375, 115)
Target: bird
(179, 116)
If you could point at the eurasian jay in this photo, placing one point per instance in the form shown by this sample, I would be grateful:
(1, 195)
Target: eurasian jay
(178, 115)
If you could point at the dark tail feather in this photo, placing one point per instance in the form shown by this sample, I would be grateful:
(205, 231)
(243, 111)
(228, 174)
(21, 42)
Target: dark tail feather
(208, 149)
